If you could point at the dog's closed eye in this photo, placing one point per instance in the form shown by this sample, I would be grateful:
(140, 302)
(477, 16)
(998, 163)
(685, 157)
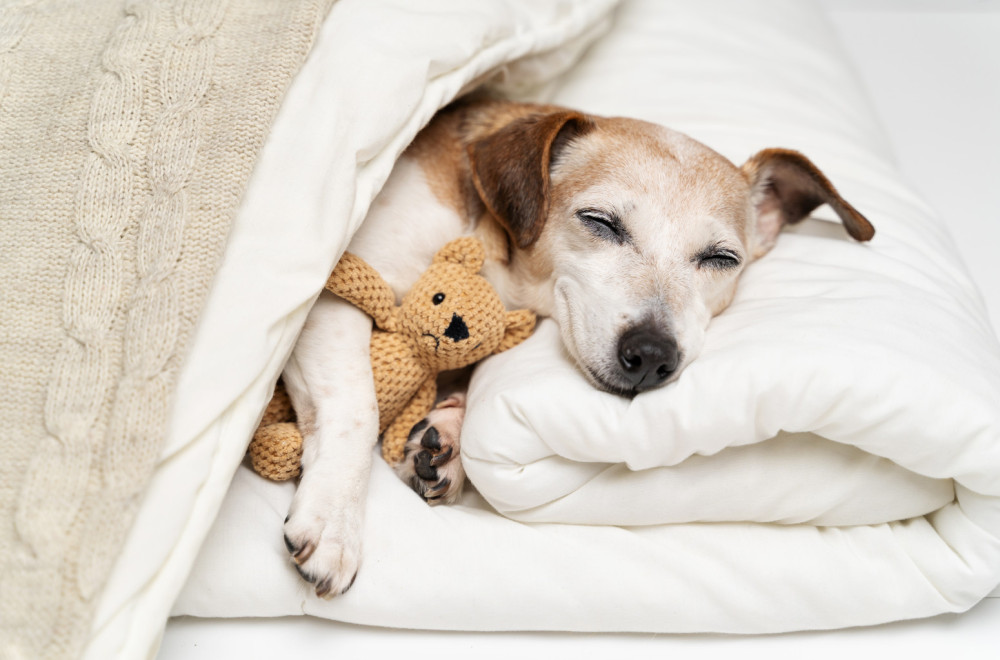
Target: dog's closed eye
(604, 225)
(718, 257)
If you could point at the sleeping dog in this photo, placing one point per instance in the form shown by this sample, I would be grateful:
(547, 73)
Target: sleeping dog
(630, 235)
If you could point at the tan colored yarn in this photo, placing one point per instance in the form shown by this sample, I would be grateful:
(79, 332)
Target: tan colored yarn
(451, 318)
(276, 449)
(128, 132)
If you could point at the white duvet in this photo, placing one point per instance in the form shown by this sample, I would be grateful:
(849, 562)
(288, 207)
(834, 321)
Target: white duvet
(831, 459)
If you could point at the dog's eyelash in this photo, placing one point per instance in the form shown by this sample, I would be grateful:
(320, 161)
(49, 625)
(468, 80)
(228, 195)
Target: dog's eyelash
(604, 225)
(718, 258)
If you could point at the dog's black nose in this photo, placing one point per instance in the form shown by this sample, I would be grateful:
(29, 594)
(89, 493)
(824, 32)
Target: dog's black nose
(457, 330)
(648, 357)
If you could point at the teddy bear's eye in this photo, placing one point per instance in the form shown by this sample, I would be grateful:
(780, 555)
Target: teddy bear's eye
(438, 298)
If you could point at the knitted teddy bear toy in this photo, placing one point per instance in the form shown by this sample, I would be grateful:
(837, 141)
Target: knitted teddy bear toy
(450, 319)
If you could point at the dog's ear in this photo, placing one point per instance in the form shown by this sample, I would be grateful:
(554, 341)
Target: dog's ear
(520, 325)
(786, 187)
(466, 251)
(510, 169)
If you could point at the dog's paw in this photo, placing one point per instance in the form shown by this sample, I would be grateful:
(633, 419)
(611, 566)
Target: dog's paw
(325, 551)
(432, 465)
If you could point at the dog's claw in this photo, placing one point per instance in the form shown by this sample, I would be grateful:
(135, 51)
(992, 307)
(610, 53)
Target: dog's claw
(441, 458)
(304, 575)
(441, 485)
(304, 553)
(349, 584)
(299, 555)
(323, 588)
(438, 489)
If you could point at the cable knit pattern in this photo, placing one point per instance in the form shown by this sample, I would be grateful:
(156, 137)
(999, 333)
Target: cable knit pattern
(60, 470)
(128, 131)
(152, 322)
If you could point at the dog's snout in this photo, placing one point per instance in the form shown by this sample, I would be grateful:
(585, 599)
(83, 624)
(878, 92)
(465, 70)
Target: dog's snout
(457, 330)
(647, 357)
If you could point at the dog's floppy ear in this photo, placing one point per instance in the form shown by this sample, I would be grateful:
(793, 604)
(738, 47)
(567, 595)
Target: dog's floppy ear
(520, 325)
(786, 187)
(466, 251)
(510, 169)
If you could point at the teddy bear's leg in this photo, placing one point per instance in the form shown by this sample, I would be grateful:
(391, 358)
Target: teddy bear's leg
(276, 451)
(279, 408)
(432, 465)
(329, 380)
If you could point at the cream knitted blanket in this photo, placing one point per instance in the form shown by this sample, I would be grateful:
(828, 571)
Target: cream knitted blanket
(128, 131)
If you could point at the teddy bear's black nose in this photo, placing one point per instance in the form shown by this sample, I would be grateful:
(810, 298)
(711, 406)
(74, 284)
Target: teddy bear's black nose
(457, 330)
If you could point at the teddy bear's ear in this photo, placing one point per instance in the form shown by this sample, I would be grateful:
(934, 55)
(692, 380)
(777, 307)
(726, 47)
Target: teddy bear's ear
(520, 325)
(466, 251)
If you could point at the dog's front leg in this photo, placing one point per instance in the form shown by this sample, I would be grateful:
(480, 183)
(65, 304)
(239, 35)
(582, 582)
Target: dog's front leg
(329, 380)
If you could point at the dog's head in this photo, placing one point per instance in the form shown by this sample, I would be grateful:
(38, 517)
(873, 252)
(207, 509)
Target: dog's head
(638, 233)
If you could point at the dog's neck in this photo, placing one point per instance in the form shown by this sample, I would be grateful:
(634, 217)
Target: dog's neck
(518, 276)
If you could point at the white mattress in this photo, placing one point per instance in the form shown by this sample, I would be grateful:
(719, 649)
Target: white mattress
(974, 626)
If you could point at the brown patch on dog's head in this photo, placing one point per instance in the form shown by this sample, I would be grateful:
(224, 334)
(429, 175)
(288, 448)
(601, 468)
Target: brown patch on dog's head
(786, 187)
(510, 169)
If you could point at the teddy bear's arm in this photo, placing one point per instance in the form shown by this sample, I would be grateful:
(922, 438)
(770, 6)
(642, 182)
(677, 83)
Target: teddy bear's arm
(359, 284)
(395, 436)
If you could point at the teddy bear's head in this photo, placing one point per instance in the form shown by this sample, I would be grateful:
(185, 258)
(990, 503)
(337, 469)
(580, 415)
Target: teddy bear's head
(454, 315)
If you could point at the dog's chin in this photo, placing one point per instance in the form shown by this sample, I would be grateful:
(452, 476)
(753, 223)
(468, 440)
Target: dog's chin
(612, 385)
(607, 385)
